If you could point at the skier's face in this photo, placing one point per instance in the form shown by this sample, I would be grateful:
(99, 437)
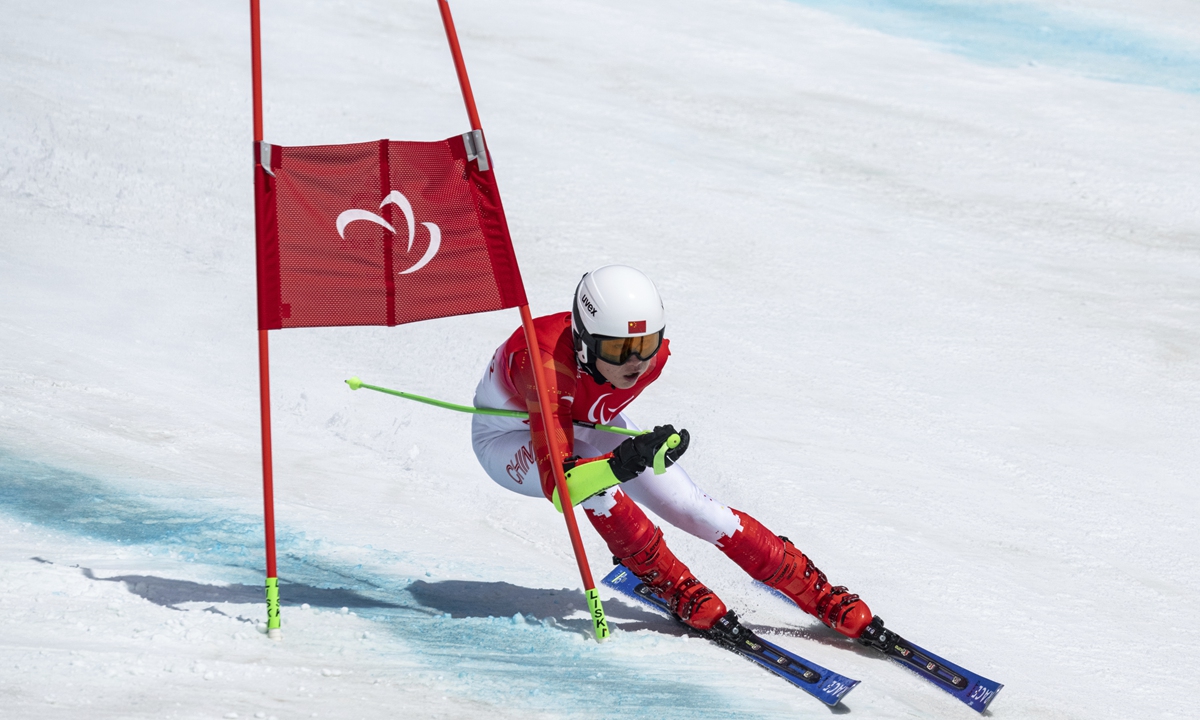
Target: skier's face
(626, 375)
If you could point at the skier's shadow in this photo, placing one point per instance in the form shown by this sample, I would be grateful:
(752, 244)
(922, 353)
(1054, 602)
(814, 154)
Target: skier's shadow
(467, 599)
(171, 593)
(567, 608)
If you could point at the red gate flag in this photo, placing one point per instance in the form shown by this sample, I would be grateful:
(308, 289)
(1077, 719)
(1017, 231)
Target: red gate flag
(380, 233)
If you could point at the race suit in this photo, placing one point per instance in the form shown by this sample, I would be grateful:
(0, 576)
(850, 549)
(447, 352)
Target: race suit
(515, 453)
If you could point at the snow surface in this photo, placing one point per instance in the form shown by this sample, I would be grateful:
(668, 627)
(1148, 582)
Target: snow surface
(932, 271)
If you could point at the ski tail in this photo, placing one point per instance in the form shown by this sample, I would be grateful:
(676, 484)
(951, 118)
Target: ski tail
(827, 686)
(973, 689)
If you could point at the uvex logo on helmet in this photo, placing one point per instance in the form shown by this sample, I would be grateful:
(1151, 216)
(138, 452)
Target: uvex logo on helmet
(587, 304)
(396, 198)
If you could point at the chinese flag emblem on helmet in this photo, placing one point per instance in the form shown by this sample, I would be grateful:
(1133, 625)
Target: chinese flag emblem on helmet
(637, 326)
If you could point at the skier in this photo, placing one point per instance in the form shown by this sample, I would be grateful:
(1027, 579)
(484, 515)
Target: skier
(603, 355)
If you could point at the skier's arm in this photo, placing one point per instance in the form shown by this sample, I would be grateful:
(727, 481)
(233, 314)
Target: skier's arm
(561, 389)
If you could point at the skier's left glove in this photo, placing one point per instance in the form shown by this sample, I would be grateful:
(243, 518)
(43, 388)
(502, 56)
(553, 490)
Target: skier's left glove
(634, 455)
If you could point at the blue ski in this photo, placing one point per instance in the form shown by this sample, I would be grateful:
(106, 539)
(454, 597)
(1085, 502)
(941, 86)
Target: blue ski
(973, 689)
(825, 685)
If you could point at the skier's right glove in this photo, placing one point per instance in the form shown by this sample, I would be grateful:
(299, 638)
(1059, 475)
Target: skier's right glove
(633, 456)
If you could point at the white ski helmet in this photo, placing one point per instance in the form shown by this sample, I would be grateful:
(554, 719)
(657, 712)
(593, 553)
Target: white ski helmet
(613, 303)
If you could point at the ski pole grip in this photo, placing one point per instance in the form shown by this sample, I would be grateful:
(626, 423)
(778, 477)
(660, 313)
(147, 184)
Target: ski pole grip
(660, 457)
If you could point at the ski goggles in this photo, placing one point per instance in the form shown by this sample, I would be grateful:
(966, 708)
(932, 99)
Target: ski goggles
(618, 350)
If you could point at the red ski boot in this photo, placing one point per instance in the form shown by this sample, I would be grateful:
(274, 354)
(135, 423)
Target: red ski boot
(687, 597)
(808, 587)
(638, 545)
(776, 561)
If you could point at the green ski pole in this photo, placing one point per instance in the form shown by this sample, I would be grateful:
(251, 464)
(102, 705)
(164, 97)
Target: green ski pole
(355, 384)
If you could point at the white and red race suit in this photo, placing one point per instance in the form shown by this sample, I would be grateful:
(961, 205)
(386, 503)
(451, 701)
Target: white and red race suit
(516, 454)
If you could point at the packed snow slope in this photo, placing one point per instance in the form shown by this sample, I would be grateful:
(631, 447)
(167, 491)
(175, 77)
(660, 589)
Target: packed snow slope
(932, 274)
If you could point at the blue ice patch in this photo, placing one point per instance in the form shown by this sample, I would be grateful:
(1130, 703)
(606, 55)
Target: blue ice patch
(505, 644)
(1014, 34)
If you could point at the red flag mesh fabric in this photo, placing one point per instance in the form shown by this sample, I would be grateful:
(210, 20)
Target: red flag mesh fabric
(379, 233)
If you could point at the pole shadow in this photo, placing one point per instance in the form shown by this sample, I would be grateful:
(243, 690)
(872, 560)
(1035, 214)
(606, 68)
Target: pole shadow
(469, 599)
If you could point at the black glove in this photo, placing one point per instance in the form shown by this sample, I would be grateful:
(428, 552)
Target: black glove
(634, 455)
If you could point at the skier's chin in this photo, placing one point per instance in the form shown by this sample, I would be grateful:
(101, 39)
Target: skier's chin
(627, 380)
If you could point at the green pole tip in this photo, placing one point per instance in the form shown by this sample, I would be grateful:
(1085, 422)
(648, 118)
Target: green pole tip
(354, 383)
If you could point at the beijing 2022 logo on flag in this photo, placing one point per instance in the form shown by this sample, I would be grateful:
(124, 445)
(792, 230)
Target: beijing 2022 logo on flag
(396, 198)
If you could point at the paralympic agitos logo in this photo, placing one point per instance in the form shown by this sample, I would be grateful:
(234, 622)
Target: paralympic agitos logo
(396, 198)
(601, 413)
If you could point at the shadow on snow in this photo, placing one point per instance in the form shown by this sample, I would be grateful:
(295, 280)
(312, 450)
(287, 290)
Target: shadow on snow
(464, 598)
(511, 645)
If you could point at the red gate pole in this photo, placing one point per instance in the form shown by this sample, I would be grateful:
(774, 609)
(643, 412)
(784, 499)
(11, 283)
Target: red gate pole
(599, 623)
(264, 365)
